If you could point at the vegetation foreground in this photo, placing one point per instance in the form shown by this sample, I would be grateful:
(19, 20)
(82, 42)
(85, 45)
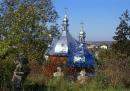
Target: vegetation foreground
(25, 28)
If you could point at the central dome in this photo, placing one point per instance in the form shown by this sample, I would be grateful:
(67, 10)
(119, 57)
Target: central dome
(76, 52)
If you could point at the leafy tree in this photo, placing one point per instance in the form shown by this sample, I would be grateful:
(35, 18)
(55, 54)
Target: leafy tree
(54, 31)
(23, 24)
(23, 29)
(122, 36)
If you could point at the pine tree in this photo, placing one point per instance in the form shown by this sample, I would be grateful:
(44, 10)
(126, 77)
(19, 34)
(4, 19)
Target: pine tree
(122, 36)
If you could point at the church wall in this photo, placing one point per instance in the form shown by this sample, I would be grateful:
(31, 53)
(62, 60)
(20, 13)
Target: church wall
(58, 59)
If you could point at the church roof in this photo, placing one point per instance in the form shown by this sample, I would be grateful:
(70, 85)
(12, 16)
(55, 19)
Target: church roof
(61, 45)
(77, 53)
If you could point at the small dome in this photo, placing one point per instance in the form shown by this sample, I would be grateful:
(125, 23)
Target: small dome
(65, 18)
(81, 32)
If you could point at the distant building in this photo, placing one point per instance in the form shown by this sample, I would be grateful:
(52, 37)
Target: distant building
(91, 46)
(99, 43)
(104, 46)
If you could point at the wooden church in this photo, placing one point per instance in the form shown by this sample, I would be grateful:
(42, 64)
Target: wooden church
(70, 54)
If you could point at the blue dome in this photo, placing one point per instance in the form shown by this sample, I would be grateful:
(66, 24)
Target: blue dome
(76, 52)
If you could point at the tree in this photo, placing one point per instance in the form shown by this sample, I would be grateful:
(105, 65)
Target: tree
(122, 36)
(54, 31)
(23, 29)
(23, 24)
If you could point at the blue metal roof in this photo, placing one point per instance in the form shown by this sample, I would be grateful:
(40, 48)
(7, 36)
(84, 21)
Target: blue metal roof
(77, 53)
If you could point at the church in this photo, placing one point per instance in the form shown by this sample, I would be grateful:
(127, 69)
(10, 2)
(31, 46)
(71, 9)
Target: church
(69, 52)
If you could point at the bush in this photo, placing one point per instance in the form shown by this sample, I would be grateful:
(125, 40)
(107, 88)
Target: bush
(115, 67)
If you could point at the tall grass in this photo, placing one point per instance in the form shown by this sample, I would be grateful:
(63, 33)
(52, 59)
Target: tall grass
(91, 84)
(41, 83)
